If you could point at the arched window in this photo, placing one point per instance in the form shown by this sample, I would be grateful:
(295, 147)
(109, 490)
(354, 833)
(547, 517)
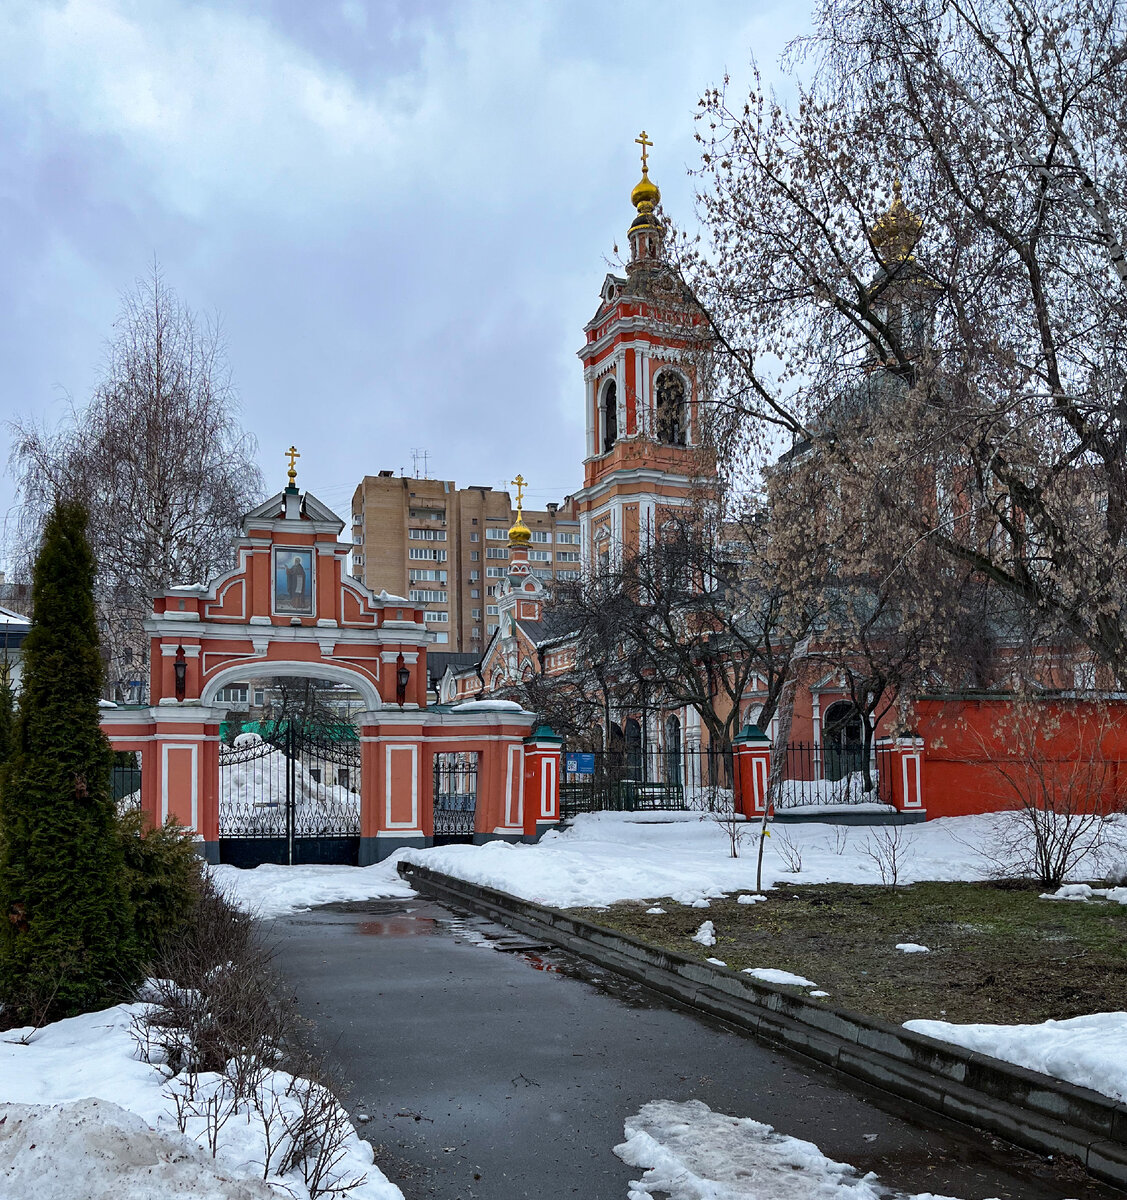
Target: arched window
(841, 740)
(610, 415)
(672, 418)
(633, 749)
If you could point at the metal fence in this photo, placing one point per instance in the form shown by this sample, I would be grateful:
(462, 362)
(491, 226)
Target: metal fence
(650, 779)
(832, 774)
(125, 780)
(455, 796)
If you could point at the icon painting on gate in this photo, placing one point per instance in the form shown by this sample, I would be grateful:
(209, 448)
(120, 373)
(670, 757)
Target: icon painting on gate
(293, 580)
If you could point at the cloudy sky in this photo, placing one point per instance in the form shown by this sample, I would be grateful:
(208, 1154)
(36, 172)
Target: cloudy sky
(401, 210)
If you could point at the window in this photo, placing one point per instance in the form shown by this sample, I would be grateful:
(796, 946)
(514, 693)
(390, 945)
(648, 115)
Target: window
(567, 556)
(496, 535)
(609, 409)
(476, 632)
(358, 539)
(541, 535)
(567, 574)
(233, 693)
(540, 555)
(568, 539)
(436, 618)
(495, 572)
(474, 576)
(259, 697)
(426, 535)
(427, 514)
(441, 636)
(540, 573)
(475, 593)
(475, 613)
(475, 537)
(417, 575)
(427, 597)
(491, 591)
(425, 552)
(358, 559)
(497, 552)
(475, 556)
(491, 610)
(671, 422)
(491, 629)
(358, 518)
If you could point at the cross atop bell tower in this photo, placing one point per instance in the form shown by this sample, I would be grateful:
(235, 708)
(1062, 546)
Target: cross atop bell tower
(646, 232)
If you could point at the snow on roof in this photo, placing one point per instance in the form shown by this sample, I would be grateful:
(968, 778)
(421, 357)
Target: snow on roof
(8, 617)
(488, 706)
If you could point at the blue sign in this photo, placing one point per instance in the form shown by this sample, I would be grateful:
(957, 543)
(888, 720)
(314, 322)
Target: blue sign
(579, 764)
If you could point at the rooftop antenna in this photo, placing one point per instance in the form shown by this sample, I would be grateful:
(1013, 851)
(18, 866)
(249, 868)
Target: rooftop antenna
(418, 452)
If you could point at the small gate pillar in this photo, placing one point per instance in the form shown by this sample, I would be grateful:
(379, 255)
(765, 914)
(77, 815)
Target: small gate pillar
(500, 787)
(902, 758)
(751, 752)
(542, 751)
(396, 785)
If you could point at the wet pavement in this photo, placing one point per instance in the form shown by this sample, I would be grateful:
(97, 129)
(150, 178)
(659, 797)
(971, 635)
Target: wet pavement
(483, 1065)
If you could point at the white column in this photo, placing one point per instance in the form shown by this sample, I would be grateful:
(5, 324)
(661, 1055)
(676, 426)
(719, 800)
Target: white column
(645, 422)
(620, 384)
(589, 391)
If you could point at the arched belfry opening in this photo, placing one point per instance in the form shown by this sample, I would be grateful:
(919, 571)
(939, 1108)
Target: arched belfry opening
(672, 410)
(610, 415)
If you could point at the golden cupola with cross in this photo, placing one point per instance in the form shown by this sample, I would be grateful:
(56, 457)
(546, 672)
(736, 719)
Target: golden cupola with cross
(646, 231)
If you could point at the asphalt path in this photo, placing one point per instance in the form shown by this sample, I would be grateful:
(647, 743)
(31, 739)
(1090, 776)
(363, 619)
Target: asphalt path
(482, 1066)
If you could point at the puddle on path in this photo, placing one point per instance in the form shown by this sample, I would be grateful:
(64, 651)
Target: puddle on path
(402, 926)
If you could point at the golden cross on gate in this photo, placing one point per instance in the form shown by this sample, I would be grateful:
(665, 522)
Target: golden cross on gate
(645, 143)
(293, 454)
(518, 483)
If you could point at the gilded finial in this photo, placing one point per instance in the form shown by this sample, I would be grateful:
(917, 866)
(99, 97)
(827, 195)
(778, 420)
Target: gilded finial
(293, 456)
(519, 533)
(896, 233)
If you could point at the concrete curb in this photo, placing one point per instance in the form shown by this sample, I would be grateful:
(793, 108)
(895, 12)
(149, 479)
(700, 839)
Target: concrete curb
(1024, 1107)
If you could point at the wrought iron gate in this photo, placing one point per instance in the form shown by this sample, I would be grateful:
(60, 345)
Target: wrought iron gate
(290, 795)
(455, 797)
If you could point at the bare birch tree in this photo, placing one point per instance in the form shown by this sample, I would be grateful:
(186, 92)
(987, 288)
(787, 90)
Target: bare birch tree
(157, 456)
(943, 208)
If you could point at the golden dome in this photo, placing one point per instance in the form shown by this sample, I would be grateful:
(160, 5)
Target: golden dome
(645, 192)
(896, 233)
(519, 533)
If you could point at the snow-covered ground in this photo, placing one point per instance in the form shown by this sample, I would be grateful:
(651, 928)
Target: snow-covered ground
(57, 1145)
(606, 857)
(270, 891)
(689, 1152)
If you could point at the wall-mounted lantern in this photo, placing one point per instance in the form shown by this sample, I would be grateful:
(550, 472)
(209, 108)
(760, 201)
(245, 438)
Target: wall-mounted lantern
(402, 679)
(180, 669)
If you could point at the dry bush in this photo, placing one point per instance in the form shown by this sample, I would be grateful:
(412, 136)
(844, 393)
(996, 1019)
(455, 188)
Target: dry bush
(889, 847)
(788, 850)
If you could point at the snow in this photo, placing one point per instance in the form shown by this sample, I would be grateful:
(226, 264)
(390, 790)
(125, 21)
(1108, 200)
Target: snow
(606, 857)
(273, 891)
(819, 992)
(773, 975)
(912, 948)
(1081, 891)
(1089, 1051)
(717, 962)
(689, 1152)
(655, 909)
(753, 899)
(488, 706)
(706, 934)
(49, 1076)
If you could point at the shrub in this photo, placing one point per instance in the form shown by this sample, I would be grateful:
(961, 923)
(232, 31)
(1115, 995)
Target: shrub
(164, 879)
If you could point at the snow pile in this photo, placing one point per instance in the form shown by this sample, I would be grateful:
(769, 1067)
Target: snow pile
(606, 857)
(1089, 1051)
(755, 898)
(273, 891)
(94, 1057)
(689, 1152)
(706, 934)
(912, 948)
(95, 1150)
(773, 975)
(1081, 891)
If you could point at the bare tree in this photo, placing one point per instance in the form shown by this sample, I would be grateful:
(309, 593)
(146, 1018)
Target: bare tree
(157, 456)
(941, 217)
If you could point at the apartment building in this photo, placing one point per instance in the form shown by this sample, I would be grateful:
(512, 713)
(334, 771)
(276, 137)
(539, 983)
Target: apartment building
(447, 548)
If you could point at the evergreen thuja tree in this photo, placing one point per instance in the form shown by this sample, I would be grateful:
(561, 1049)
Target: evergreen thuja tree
(65, 928)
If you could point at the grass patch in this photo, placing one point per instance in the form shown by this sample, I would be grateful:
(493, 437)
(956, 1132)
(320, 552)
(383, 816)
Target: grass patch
(998, 953)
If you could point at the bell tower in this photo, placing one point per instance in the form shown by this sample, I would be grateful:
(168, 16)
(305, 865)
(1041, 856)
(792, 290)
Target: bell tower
(643, 407)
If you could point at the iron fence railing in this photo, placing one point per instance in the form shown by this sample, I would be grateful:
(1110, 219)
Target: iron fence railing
(455, 795)
(832, 775)
(686, 779)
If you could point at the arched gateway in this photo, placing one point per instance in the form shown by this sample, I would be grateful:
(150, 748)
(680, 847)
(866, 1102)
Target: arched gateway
(290, 610)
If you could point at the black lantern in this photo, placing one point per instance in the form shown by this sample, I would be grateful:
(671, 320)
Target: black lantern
(402, 679)
(180, 669)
